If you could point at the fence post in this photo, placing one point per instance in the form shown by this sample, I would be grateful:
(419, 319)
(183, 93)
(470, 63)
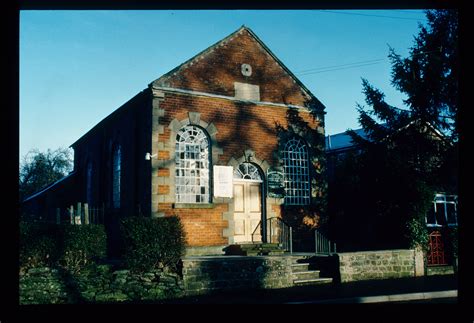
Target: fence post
(315, 241)
(86, 213)
(78, 214)
(58, 216)
(291, 240)
(71, 214)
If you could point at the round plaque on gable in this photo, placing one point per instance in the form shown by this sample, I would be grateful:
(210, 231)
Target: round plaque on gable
(246, 69)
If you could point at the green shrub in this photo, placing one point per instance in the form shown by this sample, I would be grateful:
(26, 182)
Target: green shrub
(417, 234)
(453, 238)
(152, 242)
(72, 246)
(39, 244)
(81, 245)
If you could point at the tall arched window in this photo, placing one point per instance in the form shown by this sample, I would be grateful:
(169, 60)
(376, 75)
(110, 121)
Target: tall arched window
(296, 168)
(116, 175)
(89, 183)
(192, 165)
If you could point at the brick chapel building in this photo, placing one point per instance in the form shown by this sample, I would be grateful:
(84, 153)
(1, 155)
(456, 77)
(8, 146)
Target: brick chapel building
(156, 154)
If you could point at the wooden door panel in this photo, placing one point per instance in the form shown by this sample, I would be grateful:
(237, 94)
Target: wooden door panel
(247, 211)
(254, 192)
(239, 200)
(239, 227)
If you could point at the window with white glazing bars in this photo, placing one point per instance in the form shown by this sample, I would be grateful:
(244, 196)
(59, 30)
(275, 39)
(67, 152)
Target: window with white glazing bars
(247, 171)
(443, 212)
(296, 169)
(192, 165)
(116, 174)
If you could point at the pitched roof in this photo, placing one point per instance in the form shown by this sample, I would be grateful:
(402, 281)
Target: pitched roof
(342, 141)
(49, 187)
(161, 81)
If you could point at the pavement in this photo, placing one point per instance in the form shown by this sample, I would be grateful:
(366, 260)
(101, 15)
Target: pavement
(443, 288)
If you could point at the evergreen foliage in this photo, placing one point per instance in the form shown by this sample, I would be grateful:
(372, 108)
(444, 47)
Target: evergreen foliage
(152, 242)
(409, 154)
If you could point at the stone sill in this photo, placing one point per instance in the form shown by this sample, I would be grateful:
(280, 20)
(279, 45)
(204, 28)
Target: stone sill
(193, 205)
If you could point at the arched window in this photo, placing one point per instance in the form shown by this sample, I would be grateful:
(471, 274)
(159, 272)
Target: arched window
(247, 171)
(192, 165)
(89, 183)
(296, 168)
(116, 175)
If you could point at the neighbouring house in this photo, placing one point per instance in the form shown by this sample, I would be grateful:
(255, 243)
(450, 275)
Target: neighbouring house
(440, 220)
(201, 143)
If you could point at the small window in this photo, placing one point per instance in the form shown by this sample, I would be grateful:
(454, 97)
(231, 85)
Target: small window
(116, 176)
(247, 171)
(444, 211)
(451, 213)
(89, 183)
(440, 214)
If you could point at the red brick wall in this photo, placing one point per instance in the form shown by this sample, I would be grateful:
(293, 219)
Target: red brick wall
(240, 126)
(219, 69)
(203, 227)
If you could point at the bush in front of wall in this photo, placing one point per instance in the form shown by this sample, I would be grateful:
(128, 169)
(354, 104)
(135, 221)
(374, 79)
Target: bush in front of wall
(71, 246)
(152, 242)
(39, 244)
(82, 244)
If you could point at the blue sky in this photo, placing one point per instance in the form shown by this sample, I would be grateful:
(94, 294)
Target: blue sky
(76, 67)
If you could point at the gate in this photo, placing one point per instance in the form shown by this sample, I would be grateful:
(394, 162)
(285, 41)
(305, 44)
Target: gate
(436, 254)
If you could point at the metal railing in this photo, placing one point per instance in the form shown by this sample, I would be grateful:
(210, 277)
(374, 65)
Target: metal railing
(278, 231)
(322, 245)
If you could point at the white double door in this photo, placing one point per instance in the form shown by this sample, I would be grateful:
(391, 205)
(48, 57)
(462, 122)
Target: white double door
(247, 210)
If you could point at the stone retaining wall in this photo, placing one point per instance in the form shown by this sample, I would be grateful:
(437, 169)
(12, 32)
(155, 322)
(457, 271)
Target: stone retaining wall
(380, 264)
(101, 284)
(202, 275)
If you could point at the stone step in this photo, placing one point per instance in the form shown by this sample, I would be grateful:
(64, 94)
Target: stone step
(440, 270)
(248, 246)
(312, 281)
(253, 249)
(304, 275)
(299, 267)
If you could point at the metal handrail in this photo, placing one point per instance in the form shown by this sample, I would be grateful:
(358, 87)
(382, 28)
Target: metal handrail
(322, 245)
(284, 233)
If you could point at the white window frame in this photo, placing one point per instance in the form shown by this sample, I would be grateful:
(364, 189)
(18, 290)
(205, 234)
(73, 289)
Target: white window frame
(296, 170)
(248, 172)
(444, 200)
(192, 165)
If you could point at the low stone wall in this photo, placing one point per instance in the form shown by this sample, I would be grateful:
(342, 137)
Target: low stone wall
(43, 286)
(380, 264)
(202, 275)
(102, 284)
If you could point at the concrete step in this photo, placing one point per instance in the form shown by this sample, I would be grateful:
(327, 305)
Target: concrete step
(253, 249)
(304, 275)
(299, 267)
(312, 281)
(440, 270)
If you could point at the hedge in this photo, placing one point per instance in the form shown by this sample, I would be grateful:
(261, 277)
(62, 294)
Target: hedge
(152, 242)
(70, 246)
(38, 244)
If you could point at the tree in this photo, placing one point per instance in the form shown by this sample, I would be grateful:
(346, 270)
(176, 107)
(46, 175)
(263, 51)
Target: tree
(400, 160)
(40, 169)
(429, 76)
